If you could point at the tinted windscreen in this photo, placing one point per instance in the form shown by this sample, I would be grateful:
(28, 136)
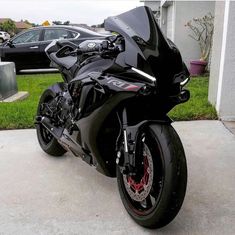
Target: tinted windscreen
(142, 35)
(146, 48)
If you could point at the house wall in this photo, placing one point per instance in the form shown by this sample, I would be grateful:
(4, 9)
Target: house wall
(174, 16)
(222, 83)
(163, 20)
(170, 22)
(185, 11)
(216, 52)
(154, 5)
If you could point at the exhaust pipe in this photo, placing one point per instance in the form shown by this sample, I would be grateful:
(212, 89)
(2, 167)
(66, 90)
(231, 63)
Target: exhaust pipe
(61, 135)
(55, 131)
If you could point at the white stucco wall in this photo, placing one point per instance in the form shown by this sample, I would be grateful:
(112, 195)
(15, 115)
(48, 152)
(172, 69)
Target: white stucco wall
(185, 11)
(163, 20)
(216, 52)
(154, 5)
(170, 22)
(225, 102)
(174, 16)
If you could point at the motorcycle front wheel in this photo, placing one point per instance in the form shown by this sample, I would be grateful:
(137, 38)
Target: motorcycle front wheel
(154, 195)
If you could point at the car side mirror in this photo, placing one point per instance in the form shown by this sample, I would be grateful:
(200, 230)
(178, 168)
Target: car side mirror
(105, 44)
(10, 44)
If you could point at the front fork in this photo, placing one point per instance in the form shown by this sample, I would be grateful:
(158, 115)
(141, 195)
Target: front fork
(127, 142)
(126, 155)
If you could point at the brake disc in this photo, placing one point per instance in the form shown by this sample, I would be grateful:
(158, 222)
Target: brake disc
(138, 191)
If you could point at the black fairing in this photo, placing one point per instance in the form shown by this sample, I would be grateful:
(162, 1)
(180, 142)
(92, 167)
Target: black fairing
(146, 48)
(99, 88)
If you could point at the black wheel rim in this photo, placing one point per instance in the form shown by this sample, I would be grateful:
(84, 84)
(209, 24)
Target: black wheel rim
(144, 204)
(45, 134)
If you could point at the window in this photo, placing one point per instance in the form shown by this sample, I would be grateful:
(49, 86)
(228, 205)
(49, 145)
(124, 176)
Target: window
(74, 34)
(51, 34)
(30, 36)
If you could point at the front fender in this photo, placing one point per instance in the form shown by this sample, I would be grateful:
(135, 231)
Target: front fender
(132, 135)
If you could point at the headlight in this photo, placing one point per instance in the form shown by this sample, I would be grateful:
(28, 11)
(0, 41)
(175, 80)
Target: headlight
(184, 82)
(151, 78)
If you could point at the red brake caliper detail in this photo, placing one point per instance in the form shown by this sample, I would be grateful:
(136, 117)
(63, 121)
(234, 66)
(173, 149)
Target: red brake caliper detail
(138, 187)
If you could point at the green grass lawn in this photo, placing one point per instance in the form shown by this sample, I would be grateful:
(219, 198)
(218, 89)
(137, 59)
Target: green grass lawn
(198, 107)
(21, 114)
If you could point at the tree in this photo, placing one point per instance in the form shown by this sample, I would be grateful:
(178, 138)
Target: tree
(98, 25)
(202, 32)
(67, 22)
(27, 22)
(35, 25)
(57, 22)
(8, 26)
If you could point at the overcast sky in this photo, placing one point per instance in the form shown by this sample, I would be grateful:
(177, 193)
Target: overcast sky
(76, 11)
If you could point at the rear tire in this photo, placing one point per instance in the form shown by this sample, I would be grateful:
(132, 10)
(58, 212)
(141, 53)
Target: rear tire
(48, 143)
(167, 173)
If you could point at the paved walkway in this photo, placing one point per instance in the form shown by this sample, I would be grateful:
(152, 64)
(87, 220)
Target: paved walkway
(230, 126)
(45, 195)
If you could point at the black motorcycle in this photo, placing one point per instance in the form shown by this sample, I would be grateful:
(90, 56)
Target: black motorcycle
(111, 110)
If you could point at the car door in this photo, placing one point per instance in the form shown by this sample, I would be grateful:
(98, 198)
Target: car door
(50, 34)
(24, 50)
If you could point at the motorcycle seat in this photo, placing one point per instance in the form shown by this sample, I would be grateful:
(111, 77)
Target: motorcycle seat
(66, 62)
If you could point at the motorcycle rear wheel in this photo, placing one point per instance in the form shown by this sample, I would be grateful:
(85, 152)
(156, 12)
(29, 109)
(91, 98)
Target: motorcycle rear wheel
(154, 197)
(47, 141)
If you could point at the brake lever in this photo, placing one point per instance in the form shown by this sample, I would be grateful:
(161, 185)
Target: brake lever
(73, 53)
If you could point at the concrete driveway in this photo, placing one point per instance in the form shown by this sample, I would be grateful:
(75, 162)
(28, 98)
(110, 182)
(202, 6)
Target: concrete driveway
(40, 194)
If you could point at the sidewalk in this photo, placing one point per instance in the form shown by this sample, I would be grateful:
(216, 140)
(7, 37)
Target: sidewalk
(230, 126)
(40, 194)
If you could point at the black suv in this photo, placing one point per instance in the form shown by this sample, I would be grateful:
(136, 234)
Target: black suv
(26, 49)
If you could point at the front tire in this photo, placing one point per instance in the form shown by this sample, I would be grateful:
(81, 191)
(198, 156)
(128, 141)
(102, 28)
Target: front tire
(47, 141)
(154, 197)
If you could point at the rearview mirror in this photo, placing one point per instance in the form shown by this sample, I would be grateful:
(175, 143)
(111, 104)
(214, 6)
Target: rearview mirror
(10, 44)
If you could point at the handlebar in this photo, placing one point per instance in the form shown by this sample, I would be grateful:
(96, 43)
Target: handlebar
(62, 43)
(71, 49)
(99, 48)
